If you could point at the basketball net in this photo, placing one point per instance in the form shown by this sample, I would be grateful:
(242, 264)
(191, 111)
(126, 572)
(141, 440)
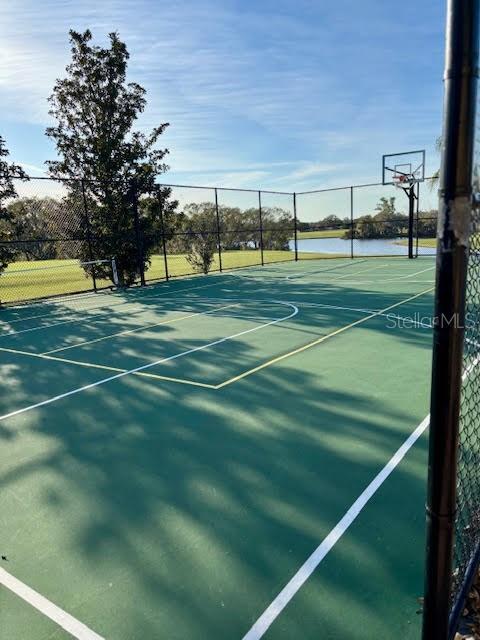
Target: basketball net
(403, 181)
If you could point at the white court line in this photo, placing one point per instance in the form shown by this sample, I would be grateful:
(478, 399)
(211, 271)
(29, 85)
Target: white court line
(350, 263)
(280, 277)
(111, 303)
(343, 275)
(93, 317)
(351, 282)
(396, 279)
(148, 366)
(104, 317)
(347, 275)
(321, 305)
(142, 328)
(303, 574)
(270, 614)
(73, 626)
(410, 275)
(416, 323)
(249, 318)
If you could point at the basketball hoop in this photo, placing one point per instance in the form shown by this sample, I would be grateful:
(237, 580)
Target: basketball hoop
(403, 170)
(403, 180)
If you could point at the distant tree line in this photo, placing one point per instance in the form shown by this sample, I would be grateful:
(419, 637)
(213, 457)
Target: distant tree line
(387, 222)
(329, 222)
(46, 228)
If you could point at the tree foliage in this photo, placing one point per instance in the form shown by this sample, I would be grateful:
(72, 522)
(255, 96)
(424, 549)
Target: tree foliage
(389, 223)
(42, 224)
(8, 173)
(239, 228)
(95, 109)
(201, 237)
(330, 221)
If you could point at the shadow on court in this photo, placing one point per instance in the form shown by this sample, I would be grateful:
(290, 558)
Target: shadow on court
(150, 509)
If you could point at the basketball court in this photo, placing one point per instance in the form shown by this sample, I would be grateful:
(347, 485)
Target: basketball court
(241, 455)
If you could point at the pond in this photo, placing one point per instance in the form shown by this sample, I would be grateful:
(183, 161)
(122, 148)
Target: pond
(378, 247)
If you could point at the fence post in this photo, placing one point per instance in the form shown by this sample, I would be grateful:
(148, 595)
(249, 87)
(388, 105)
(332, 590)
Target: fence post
(352, 226)
(417, 220)
(295, 225)
(89, 234)
(164, 243)
(219, 240)
(454, 221)
(261, 225)
(138, 237)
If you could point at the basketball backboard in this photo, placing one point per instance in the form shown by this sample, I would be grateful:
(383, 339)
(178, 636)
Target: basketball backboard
(402, 169)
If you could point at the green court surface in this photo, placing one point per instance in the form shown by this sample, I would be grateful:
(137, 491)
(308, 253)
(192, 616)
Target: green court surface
(241, 455)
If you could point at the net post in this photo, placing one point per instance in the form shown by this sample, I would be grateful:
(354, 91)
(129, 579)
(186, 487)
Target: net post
(295, 225)
(455, 210)
(114, 272)
(261, 225)
(164, 241)
(138, 239)
(352, 231)
(219, 240)
(89, 233)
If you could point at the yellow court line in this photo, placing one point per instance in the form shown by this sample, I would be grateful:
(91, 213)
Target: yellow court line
(137, 329)
(318, 341)
(93, 365)
(235, 378)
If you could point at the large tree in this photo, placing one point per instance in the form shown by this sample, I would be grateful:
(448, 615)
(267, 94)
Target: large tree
(8, 173)
(95, 109)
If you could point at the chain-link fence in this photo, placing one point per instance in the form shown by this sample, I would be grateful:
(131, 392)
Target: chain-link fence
(453, 500)
(59, 237)
(365, 220)
(467, 518)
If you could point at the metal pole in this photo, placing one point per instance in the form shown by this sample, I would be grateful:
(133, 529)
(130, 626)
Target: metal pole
(140, 260)
(295, 225)
(452, 247)
(417, 220)
(164, 243)
(89, 234)
(411, 218)
(261, 225)
(352, 228)
(219, 239)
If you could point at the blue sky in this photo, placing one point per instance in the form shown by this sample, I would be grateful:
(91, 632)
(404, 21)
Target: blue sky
(288, 95)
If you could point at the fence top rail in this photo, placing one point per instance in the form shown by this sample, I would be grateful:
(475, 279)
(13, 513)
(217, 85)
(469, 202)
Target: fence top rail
(193, 186)
(164, 184)
(344, 188)
(352, 186)
(238, 189)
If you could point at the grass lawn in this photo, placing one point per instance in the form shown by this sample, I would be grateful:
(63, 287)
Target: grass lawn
(325, 233)
(30, 280)
(422, 242)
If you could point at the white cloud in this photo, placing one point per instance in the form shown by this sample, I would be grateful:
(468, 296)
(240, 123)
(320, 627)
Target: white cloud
(240, 85)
